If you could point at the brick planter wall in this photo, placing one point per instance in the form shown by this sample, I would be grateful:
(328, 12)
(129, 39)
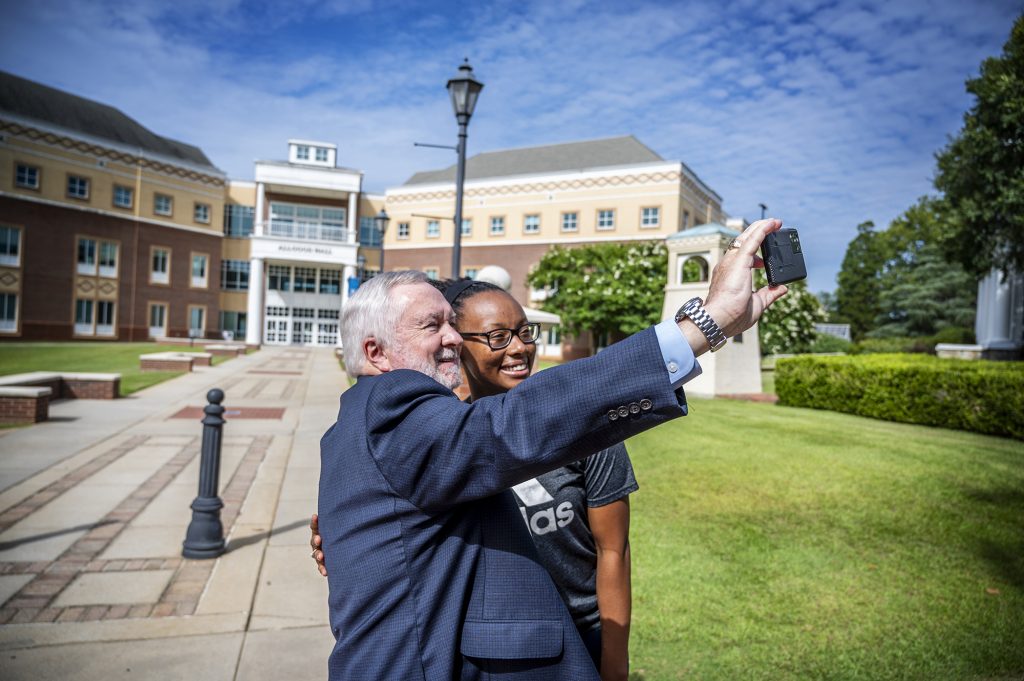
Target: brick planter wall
(166, 364)
(85, 389)
(24, 409)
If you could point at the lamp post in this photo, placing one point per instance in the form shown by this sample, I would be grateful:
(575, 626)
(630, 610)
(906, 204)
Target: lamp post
(381, 221)
(464, 89)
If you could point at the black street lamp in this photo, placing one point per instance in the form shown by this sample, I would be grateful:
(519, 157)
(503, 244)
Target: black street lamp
(464, 89)
(381, 221)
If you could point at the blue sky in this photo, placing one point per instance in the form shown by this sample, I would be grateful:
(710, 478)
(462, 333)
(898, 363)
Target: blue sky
(828, 112)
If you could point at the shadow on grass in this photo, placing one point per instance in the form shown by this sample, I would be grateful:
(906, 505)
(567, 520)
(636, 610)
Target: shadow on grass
(1007, 557)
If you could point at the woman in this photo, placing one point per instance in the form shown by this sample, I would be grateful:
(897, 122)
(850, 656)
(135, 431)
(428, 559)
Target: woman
(578, 515)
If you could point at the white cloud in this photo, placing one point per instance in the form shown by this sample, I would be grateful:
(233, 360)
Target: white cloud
(828, 112)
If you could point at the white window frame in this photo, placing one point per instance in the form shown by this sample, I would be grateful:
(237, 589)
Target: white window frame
(573, 225)
(89, 266)
(85, 327)
(645, 220)
(157, 331)
(81, 192)
(109, 330)
(201, 280)
(531, 223)
(165, 198)
(108, 270)
(9, 325)
(6, 257)
(467, 227)
(201, 213)
(318, 152)
(432, 273)
(197, 331)
(121, 191)
(302, 152)
(433, 229)
(603, 222)
(498, 220)
(156, 276)
(403, 230)
(26, 170)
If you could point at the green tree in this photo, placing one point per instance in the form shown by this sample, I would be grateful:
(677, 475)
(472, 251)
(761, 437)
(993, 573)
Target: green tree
(981, 170)
(860, 281)
(920, 293)
(604, 288)
(788, 325)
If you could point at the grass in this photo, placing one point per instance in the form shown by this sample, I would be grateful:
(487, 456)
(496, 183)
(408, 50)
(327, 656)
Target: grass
(782, 543)
(121, 358)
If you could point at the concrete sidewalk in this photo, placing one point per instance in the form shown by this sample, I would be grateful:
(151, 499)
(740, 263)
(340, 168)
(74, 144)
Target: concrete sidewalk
(93, 509)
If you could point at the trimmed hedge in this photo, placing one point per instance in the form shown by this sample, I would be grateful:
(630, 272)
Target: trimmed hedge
(984, 397)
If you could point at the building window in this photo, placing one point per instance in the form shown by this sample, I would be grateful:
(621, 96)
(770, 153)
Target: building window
(431, 273)
(8, 312)
(467, 227)
(279, 278)
(330, 282)
(302, 152)
(124, 197)
(305, 280)
(83, 317)
(160, 266)
(238, 220)
(234, 275)
(497, 226)
(196, 321)
(650, 217)
(199, 270)
(606, 219)
(433, 229)
(299, 221)
(369, 235)
(531, 224)
(163, 204)
(105, 311)
(26, 176)
(86, 256)
(157, 320)
(321, 155)
(403, 230)
(201, 213)
(232, 324)
(10, 246)
(108, 259)
(686, 219)
(470, 272)
(570, 222)
(78, 187)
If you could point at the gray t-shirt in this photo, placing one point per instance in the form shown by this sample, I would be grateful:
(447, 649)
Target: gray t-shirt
(555, 505)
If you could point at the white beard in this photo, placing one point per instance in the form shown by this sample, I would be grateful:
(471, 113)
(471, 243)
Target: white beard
(448, 376)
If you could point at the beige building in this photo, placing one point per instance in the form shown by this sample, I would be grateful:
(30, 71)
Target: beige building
(518, 203)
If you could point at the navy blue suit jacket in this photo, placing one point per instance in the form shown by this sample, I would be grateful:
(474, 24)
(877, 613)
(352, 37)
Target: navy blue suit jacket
(433, 575)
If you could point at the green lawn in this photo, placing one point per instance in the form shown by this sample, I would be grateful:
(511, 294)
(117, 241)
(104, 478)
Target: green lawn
(121, 358)
(781, 543)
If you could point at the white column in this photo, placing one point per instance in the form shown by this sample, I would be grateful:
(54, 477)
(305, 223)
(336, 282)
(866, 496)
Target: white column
(992, 323)
(254, 314)
(261, 202)
(353, 217)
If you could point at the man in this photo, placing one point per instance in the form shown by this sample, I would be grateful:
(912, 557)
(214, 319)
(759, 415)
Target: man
(433, 574)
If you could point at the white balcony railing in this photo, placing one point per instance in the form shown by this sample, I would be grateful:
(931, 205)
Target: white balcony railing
(307, 231)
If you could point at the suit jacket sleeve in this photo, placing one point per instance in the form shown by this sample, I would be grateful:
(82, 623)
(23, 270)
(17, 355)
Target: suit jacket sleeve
(436, 451)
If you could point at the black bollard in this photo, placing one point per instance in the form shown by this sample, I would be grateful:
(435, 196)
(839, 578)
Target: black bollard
(205, 535)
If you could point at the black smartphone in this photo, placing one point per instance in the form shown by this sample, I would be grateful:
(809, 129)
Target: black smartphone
(783, 257)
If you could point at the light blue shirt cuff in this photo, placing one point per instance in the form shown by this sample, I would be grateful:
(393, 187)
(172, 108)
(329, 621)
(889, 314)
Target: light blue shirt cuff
(680, 362)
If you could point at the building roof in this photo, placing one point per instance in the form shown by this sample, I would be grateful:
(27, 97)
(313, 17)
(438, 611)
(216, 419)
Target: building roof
(707, 229)
(31, 100)
(552, 158)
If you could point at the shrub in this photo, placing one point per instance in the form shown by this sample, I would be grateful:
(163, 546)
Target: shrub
(984, 397)
(893, 344)
(826, 343)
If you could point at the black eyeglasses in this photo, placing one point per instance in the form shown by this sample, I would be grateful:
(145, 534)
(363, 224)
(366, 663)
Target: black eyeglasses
(500, 338)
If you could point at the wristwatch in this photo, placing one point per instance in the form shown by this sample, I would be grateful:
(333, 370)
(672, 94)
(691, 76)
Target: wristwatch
(694, 309)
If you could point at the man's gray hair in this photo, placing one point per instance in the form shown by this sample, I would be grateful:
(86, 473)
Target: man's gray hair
(372, 312)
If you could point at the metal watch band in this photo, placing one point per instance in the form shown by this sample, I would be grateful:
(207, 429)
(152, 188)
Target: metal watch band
(694, 309)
